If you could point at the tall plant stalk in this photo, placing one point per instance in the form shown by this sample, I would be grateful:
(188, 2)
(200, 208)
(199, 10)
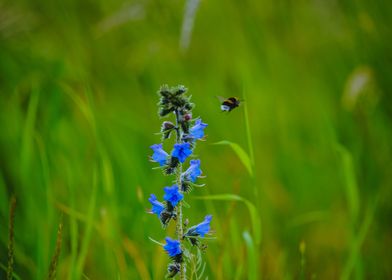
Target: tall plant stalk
(179, 225)
(188, 131)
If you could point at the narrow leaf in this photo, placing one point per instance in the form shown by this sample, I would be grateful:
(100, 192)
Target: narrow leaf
(254, 215)
(350, 182)
(244, 157)
(252, 256)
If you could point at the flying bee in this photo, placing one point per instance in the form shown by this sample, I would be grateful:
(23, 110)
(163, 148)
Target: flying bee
(229, 104)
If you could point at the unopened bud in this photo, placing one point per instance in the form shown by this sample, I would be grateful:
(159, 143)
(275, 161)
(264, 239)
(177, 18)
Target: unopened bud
(187, 117)
(167, 125)
(166, 129)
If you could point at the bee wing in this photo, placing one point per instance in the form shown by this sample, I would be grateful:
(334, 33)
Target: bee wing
(220, 98)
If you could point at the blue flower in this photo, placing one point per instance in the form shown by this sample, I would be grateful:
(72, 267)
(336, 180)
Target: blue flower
(172, 195)
(172, 247)
(182, 151)
(159, 155)
(200, 229)
(157, 207)
(197, 131)
(193, 171)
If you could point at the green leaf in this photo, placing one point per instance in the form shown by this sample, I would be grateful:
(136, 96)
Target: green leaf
(254, 215)
(350, 182)
(155, 241)
(244, 157)
(89, 226)
(252, 256)
(354, 258)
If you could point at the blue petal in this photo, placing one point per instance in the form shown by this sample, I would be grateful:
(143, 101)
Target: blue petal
(193, 171)
(204, 227)
(159, 154)
(182, 151)
(197, 131)
(173, 195)
(172, 247)
(157, 207)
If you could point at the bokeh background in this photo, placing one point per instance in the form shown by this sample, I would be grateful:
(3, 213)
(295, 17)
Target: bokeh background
(309, 196)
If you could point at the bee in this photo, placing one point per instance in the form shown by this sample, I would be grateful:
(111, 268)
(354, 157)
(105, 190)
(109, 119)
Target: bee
(229, 104)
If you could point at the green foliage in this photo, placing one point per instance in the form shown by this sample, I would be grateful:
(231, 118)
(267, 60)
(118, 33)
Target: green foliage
(11, 236)
(78, 84)
(254, 217)
(350, 182)
(242, 155)
(252, 257)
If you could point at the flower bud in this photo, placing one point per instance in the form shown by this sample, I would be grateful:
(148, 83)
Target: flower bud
(164, 91)
(187, 117)
(180, 90)
(166, 129)
(171, 167)
(189, 106)
(167, 126)
(165, 111)
(173, 269)
(185, 186)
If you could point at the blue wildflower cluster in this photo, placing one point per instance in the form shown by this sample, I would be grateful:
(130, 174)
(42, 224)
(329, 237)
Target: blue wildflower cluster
(187, 131)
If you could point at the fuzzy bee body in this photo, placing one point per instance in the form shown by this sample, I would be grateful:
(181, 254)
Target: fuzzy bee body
(228, 104)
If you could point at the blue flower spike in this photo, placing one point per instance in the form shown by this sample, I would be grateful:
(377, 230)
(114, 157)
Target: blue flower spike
(157, 207)
(182, 151)
(176, 102)
(159, 154)
(197, 131)
(173, 195)
(172, 247)
(193, 171)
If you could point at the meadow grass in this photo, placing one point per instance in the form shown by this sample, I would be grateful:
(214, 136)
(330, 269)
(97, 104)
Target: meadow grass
(305, 161)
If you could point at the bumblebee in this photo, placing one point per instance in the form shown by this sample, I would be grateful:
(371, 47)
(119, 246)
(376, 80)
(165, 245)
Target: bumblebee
(229, 104)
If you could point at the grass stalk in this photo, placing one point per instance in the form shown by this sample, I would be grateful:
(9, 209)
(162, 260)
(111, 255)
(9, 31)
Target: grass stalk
(251, 151)
(56, 256)
(11, 239)
(89, 227)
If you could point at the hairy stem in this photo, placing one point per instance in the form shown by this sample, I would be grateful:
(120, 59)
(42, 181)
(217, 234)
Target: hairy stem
(179, 225)
(180, 229)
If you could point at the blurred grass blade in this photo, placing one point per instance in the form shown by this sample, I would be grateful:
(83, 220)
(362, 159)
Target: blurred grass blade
(308, 218)
(89, 227)
(56, 256)
(302, 250)
(134, 253)
(14, 275)
(239, 271)
(244, 157)
(350, 182)
(3, 194)
(248, 130)
(82, 105)
(11, 236)
(28, 133)
(73, 224)
(354, 256)
(191, 7)
(254, 215)
(252, 256)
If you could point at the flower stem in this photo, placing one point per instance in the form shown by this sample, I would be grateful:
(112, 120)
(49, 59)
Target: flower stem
(179, 224)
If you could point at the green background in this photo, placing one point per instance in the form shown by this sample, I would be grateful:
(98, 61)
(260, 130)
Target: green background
(78, 82)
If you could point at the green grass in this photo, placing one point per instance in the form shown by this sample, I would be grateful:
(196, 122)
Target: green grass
(307, 156)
